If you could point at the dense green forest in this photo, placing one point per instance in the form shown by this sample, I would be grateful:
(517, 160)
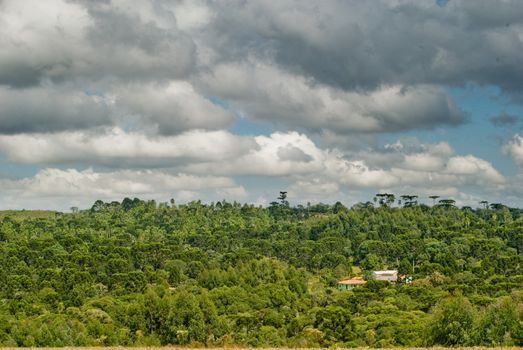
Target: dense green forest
(143, 273)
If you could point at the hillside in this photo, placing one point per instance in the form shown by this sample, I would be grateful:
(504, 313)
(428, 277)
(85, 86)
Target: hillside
(224, 274)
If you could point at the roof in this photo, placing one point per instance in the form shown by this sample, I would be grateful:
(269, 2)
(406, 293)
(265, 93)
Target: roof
(352, 282)
(386, 272)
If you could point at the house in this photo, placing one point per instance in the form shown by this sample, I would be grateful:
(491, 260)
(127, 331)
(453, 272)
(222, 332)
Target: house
(349, 284)
(385, 275)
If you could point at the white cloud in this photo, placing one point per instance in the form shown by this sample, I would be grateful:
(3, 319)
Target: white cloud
(38, 37)
(52, 182)
(473, 166)
(59, 186)
(315, 187)
(314, 190)
(356, 173)
(312, 172)
(423, 162)
(192, 14)
(419, 166)
(280, 154)
(63, 40)
(118, 148)
(514, 148)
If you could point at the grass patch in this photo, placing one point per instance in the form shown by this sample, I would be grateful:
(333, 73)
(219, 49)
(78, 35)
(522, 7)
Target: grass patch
(27, 214)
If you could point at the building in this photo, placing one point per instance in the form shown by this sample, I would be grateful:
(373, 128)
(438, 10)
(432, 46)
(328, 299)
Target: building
(385, 275)
(349, 284)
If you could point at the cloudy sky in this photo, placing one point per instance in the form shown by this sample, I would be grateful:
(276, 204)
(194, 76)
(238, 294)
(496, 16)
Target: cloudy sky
(237, 100)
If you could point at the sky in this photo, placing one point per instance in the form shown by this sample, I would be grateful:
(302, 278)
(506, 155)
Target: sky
(238, 100)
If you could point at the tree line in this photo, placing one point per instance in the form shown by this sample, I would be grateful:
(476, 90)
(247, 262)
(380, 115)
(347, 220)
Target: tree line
(144, 273)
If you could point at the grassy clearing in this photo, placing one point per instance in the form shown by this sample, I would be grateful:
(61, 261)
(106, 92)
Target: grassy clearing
(27, 214)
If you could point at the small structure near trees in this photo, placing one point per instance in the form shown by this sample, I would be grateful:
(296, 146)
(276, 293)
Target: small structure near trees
(385, 275)
(349, 284)
(391, 276)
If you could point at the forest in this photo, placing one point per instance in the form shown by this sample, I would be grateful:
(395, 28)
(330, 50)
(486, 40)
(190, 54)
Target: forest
(144, 273)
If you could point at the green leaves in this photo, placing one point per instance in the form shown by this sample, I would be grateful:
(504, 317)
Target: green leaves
(139, 273)
(452, 322)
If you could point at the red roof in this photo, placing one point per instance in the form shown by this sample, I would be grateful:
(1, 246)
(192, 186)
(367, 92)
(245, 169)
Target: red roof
(352, 282)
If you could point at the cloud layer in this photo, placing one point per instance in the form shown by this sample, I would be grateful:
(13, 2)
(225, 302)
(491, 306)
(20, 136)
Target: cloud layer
(267, 93)
(313, 172)
(115, 100)
(84, 187)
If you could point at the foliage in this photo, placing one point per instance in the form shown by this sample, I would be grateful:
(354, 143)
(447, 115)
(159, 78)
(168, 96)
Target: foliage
(227, 274)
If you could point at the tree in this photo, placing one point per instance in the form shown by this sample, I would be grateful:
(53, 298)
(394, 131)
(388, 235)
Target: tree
(496, 206)
(242, 275)
(371, 263)
(447, 203)
(336, 323)
(283, 198)
(338, 207)
(433, 197)
(452, 322)
(409, 200)
(500, 324)
(405, 267)
(98, 205)
(385, 199)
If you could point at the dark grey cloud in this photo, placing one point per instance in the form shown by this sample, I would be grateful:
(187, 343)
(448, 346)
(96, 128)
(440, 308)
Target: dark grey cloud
(20, 75)
(138, 48)
(486, 15)
(165, 109)
(347, 44)
(330, 66)
(268, 93)
(505, 119)
(171, 108)
(47, 110)
(365, 44)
